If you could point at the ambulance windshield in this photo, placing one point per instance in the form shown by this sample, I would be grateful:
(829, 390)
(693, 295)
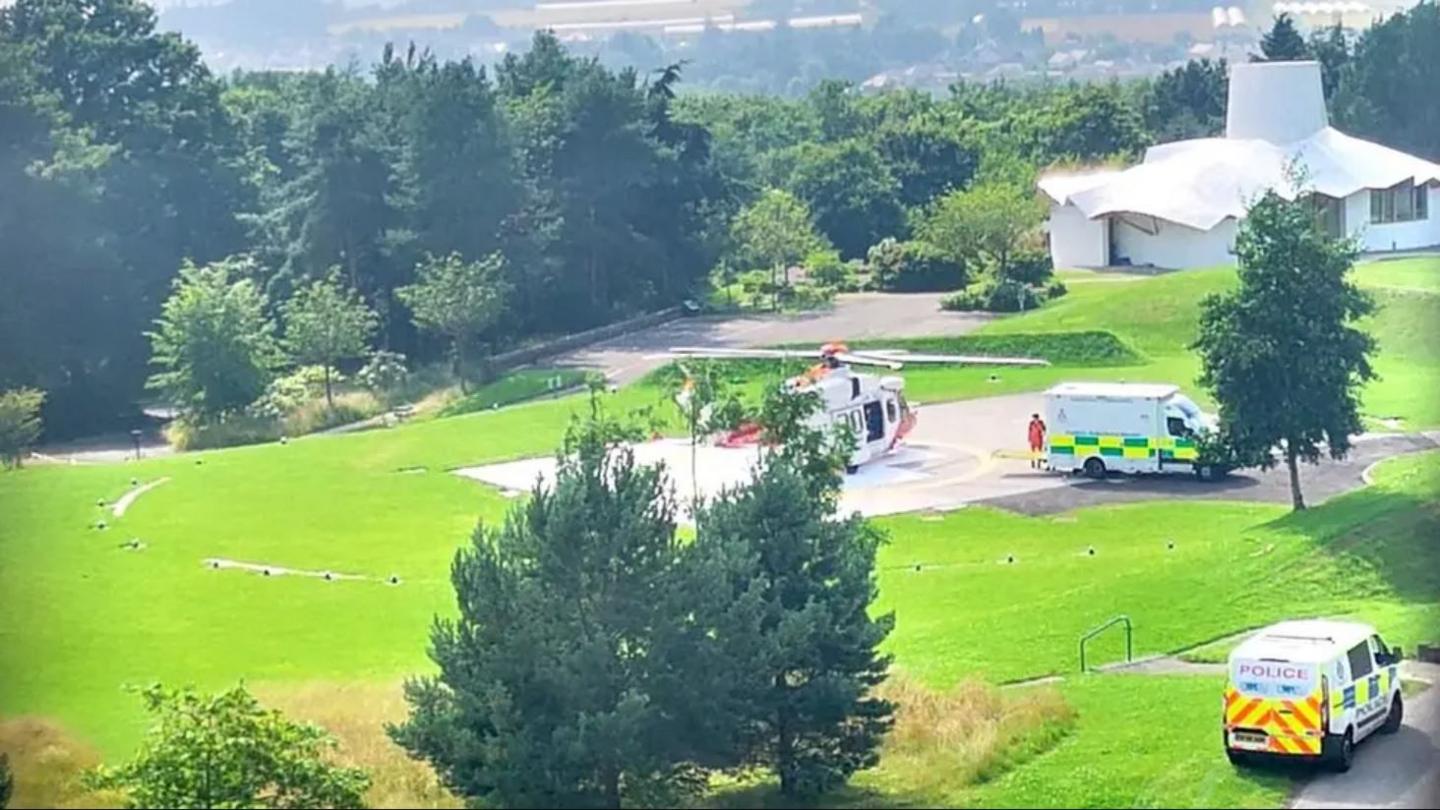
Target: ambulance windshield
(1183, 404)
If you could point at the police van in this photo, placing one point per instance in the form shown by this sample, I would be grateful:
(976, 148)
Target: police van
(1310, 689)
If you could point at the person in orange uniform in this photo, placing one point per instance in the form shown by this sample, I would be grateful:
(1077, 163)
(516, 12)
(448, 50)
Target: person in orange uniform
(1037, 439)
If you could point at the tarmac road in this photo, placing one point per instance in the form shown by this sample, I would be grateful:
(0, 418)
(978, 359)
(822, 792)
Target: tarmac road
(971, 431)
(854, 316)
(1396, 770)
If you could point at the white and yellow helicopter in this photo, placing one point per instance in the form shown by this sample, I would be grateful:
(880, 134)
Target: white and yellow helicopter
(872, 406)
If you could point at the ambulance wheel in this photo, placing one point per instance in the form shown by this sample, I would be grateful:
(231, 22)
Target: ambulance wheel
(1094, 468)
(1395, 717)
(1340, 751)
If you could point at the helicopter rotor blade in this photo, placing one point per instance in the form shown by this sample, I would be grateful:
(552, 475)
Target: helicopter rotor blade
(736, 354)
(903, 356)
(895, 364)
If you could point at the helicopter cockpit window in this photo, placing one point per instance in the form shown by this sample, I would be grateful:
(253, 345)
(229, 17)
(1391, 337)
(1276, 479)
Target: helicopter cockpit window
(891, 412)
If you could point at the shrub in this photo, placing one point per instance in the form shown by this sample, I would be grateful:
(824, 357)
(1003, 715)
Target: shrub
(824, 268)
(968, 734)
(913, 266)
(287, 393)
(383, 372)
(48, 766)
(1004, 295)
(19, 423)
(186, 433)
(315, 415)
(756, 287)
(1030, 265)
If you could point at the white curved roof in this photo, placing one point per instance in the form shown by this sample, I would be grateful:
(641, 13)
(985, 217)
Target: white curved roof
(1276, 119)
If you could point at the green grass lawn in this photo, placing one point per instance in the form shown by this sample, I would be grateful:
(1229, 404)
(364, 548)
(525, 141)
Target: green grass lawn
(520, 385)
(1157, 317)
(1138, 742)
(966, 610)
(83, 618)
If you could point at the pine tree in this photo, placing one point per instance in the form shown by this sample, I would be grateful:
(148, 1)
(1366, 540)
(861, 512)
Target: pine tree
(1282, 43)
(556, 687)
(7, 781)
(800, 616)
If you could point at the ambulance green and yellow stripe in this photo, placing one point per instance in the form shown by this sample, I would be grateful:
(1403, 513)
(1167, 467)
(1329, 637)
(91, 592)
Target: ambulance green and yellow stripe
(1168, 448)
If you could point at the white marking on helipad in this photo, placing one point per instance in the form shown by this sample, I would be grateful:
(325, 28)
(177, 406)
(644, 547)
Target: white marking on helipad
(128, 498)
(884, 486)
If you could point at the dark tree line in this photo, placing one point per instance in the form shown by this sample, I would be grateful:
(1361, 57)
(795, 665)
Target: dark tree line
(602, 191)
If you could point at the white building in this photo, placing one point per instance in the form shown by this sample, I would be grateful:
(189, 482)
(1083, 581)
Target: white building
(1179, 207)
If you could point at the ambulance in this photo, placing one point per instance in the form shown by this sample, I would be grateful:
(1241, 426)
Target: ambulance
(1100, 427)
(1310, 690)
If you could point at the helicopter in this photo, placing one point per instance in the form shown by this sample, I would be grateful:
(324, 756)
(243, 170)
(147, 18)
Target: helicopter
(872, 406)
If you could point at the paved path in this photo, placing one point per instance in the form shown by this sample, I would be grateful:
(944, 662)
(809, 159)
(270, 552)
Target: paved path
(963, 437)
(853, 317)
(1395, 770)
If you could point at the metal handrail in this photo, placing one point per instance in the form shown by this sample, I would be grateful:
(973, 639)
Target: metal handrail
(1129, 631)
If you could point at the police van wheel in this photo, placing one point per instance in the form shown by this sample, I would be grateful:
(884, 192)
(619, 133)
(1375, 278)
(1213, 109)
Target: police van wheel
(1340, 751)
(1094, 468)
(851, 469)
(1395, 717)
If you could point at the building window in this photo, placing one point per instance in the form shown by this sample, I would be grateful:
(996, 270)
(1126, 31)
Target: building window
(1405, 202)
(1330, 213)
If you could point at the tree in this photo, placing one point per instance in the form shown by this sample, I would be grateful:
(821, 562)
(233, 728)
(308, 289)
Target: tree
(1085, 123)
(225, 750)
(138, 174)
(19, 423)
(1332, 50)
(325, 323)
(1281, 353)
(214, 343)
(983, 227)
(708, 407)
(810, 645)
(458, 299)
(555, 688)
(1390, 68)
(853, 196)
(1188, 101)
(775, 231)
(928, 155)
(1282, 43)
(7, 781)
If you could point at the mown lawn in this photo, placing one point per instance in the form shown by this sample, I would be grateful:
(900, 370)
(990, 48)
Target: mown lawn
(83, 617)
(966, 610)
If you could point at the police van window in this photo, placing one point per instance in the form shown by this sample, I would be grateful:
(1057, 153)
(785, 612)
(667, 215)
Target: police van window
(1380, 648)
(891, 412)
(1360, 664)
(1382, 653)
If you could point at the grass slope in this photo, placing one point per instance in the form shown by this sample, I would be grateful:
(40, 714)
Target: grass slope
(1157, 318)
(84, 617)
(966, 610)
